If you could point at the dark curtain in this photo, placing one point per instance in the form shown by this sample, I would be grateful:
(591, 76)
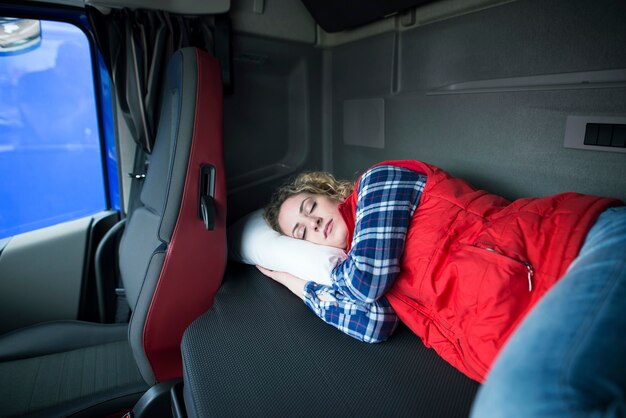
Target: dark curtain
(136, 45)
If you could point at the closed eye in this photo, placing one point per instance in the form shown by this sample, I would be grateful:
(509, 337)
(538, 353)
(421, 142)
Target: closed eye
(299, 231)
(312, 207)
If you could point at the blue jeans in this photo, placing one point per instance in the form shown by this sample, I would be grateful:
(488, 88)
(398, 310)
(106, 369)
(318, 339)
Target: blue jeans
(568, 357)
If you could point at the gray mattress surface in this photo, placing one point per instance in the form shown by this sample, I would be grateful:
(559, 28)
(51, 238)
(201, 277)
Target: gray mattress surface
(259, 351)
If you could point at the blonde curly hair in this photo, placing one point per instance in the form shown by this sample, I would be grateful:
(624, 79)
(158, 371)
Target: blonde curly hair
(315, 182)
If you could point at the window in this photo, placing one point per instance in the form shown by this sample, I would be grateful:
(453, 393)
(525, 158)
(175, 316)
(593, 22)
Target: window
(51, 165)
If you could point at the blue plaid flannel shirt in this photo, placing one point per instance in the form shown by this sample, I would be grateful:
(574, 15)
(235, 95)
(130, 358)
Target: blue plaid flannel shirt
(387, 197)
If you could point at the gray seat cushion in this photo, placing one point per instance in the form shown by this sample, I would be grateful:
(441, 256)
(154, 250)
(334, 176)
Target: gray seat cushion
(259, 350)
(59, 368)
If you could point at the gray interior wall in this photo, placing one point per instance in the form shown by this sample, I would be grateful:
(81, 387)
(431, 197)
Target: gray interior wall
(272, 120)
(509, 142)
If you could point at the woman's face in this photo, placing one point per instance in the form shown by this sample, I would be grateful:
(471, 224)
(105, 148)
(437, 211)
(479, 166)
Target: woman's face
(313, 218)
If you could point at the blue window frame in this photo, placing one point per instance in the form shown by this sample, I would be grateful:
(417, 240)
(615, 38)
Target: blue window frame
(54, 165)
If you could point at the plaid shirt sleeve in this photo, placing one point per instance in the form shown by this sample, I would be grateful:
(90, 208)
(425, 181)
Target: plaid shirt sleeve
(386, 199)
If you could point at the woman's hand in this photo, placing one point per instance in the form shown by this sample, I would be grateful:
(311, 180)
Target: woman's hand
(279, 276)
(291, 282)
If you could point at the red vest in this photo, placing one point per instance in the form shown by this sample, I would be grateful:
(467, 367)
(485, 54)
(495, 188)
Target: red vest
(474, 263)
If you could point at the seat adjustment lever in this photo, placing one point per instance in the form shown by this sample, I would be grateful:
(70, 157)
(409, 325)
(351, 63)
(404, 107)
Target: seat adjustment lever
(206, 201)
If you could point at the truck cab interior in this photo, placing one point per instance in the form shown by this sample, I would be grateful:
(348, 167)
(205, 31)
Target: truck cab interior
(136, 137)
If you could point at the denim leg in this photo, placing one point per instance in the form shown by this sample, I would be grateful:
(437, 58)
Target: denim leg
(568, 357)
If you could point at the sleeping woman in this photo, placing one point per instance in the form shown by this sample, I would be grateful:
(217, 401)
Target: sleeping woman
(468, 271)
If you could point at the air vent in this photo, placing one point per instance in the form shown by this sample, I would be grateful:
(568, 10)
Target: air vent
(596, 133)
(250, 58)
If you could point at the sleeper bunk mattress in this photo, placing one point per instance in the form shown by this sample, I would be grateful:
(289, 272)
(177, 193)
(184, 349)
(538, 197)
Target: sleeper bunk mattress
(259, 351)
